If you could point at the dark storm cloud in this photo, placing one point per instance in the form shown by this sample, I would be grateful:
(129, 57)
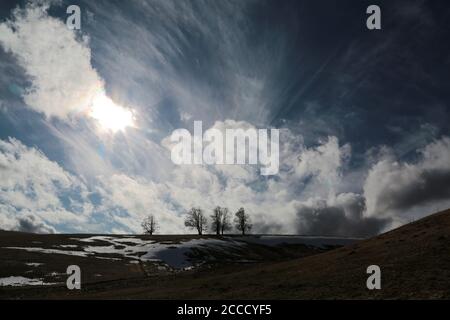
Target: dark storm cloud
(427, 187)
(31, 224)
(333, 221)
(262, 227)
(399, 186)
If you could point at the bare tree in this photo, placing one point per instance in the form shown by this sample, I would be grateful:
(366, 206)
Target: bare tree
(216, 224)
(242, 221)
(220, 220)
(195, 219)
(149, 224)
(226, 224)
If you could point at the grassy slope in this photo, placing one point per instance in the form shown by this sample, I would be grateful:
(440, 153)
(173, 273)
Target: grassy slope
(414, 259)
(104, 272)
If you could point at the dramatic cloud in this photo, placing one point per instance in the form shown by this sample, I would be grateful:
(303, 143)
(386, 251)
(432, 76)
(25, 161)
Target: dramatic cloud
(305, 197)
(177, 62)
(393, 186)
(36, 192)
(343, 216)
(273, 204)
(57, 61)
(30, 224)
(127, 200)
(323, 166)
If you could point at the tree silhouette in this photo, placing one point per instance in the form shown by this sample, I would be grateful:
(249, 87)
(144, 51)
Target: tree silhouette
(149, 224)
(195, 219)
(226, 224)
(220, 220)
(242, 221)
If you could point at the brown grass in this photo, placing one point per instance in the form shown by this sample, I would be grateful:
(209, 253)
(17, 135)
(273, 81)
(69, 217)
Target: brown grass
(414, 260)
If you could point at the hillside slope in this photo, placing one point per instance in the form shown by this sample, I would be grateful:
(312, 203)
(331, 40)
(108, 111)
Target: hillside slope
(414, 260)
(34, 265)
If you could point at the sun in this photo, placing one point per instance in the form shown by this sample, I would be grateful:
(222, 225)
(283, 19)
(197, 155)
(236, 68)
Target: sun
(110, 115)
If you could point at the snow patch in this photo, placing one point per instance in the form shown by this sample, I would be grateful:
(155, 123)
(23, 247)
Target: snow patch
(34, 264)
(22, 281)
(175, 254)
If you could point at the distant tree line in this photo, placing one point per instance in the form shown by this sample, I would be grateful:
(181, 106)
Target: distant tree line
(196, 219)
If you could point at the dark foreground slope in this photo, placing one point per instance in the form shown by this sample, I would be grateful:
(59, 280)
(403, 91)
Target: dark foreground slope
(414, 260)
(34, 266)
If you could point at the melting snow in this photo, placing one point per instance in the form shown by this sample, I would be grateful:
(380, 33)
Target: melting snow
(33, 264)
(93, 239)
(22, 281)
(173, 254)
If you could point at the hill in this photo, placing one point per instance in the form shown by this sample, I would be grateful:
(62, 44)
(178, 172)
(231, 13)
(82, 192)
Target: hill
(414, 262)
(35, 264)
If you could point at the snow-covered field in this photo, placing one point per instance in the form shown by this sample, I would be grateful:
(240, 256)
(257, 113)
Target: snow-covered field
(22, 281)
(171, 253)
(114, 248)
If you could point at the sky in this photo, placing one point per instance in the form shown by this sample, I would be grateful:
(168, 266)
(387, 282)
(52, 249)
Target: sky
(86, 115)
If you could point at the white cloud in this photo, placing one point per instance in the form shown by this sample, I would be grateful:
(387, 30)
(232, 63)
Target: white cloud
(272, 203)
(324, 163)
(292, 202)
(57, 62)
(31, 189)
(139, 198)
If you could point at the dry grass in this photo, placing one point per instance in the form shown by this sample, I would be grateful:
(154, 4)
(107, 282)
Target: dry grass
(414, 260)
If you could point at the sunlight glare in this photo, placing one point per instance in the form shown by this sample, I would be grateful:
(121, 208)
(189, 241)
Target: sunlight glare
(109, 114)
